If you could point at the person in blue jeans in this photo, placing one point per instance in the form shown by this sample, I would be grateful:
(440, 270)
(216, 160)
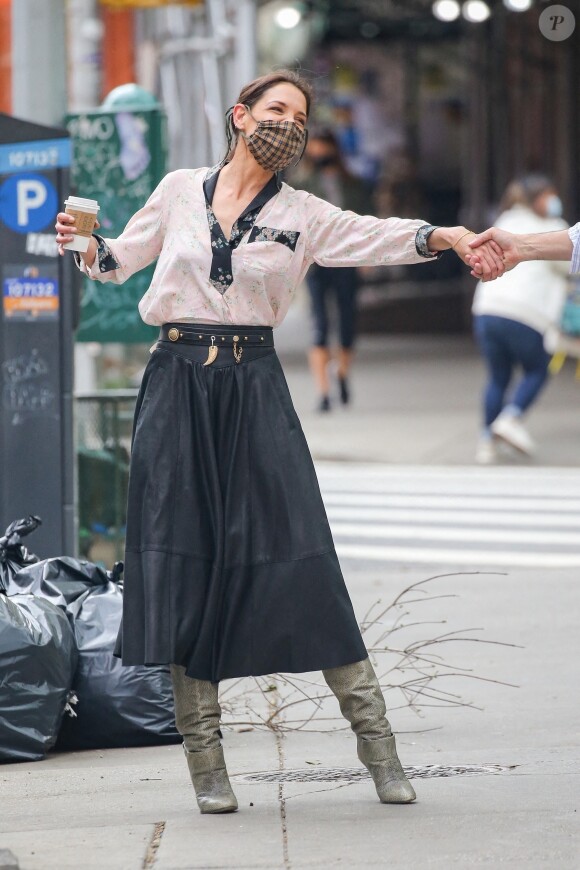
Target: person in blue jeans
(506, 345)
(512, 315)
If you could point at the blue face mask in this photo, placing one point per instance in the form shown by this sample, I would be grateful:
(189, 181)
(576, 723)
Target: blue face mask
(554, 207)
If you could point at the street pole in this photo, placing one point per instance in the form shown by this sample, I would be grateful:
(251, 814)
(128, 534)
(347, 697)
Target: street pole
(245, 50)
(39, 61)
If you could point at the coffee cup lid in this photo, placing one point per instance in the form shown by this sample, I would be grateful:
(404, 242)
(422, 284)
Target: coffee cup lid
(80, 202)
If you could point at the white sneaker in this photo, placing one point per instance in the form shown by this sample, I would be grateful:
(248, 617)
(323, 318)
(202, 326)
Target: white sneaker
(513, 432)
(486, 452)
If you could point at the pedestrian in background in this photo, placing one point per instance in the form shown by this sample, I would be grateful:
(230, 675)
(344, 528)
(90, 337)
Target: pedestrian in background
(512, 314)
(325, 175)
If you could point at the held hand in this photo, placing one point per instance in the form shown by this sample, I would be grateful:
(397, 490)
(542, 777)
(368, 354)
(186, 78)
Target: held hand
(65, 230)
(486, 263)
(507, 243)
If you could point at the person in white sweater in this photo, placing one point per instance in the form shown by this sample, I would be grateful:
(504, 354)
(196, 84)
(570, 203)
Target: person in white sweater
(512, 314)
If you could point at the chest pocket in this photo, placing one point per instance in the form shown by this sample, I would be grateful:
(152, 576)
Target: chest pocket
(269, 250)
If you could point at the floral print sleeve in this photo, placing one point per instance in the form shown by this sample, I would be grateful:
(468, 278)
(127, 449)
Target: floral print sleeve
(139, 244)
(105, 259)
(343, 238)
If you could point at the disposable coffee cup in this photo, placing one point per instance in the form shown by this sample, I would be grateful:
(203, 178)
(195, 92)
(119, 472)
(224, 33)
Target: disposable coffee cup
(85, 214)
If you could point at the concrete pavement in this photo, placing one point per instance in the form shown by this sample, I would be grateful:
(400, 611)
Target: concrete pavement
(302, 801)
(103, 809)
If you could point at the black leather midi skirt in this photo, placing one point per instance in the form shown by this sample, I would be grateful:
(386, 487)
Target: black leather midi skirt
(230, 566)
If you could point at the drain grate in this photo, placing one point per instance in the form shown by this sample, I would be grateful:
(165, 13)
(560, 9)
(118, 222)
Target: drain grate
(356, 774)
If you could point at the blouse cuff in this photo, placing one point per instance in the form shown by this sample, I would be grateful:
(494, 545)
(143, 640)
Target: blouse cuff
(421, 242)
(574, 233)
(105, 259)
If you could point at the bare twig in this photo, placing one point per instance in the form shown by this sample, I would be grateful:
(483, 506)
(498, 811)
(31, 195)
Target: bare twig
(414, 671)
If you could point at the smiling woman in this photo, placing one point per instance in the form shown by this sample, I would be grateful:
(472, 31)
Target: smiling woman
(230, 566)
(275, 108)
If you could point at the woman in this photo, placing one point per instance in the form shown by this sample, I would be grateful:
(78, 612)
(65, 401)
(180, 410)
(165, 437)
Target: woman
(325, 175)
(230, 567)
(512, 316)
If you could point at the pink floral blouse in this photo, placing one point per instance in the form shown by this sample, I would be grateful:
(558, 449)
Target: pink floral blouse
(266, 257)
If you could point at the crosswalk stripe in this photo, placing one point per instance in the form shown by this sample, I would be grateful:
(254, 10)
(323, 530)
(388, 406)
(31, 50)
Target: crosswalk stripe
(471, 502)
(438, 556)
(500, 518)
(432, 533)
(462, 518)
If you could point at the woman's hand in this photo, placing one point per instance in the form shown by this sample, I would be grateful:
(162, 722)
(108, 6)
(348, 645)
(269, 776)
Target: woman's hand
(486, 263)
(511, 245)
(65, 230)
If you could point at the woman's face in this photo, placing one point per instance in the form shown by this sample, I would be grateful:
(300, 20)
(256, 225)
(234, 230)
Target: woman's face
(281, 102)
(548, 203)
(321, 152)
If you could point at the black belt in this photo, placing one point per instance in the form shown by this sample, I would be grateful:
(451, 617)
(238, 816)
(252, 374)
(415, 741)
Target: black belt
(220, 336)
(257, 336)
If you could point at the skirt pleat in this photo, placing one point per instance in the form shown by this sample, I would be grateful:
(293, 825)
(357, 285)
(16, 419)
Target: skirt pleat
(230, 566)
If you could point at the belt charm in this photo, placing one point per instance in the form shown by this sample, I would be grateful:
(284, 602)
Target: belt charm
(212, 352)
(237, 350)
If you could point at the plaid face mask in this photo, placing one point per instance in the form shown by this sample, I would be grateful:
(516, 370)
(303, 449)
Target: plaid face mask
(274, 145)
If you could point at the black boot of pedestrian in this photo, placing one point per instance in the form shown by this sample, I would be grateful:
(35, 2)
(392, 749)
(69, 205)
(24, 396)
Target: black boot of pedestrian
(324, 404)
(343, 391)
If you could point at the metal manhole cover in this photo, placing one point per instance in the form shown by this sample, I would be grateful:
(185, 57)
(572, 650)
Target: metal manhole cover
(355, 774)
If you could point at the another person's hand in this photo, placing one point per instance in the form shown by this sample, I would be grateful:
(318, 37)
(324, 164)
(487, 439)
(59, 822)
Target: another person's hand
(65, 230)
(486, 263)
(509, 244)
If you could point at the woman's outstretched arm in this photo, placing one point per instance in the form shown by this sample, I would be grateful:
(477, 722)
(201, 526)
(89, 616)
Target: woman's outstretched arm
(343, 238)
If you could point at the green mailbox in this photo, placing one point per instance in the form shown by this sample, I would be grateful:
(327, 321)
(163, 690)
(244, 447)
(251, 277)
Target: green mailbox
(119, 157)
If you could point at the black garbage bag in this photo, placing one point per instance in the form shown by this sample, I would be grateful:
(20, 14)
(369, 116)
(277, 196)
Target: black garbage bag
(117, 706)
(38, 658)
(13, 554)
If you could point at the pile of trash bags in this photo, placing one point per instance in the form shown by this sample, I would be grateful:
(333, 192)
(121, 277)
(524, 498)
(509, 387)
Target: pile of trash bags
(59, 620)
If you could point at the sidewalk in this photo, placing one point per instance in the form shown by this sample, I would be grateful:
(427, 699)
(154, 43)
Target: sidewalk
(415, 401)
(104, 809)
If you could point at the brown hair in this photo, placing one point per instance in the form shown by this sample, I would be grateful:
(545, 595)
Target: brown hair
(255, 90)
(329, 137)
(525, 191)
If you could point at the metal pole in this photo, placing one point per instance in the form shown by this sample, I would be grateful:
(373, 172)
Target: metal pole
(38, 61)
(84, 38)
(245, 50)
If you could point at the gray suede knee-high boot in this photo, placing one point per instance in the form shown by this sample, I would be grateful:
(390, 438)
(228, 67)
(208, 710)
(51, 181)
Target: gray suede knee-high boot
(197, 717)
(361, 702)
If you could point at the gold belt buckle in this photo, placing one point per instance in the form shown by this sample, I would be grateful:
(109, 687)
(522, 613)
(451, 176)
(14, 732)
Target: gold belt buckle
(173, 334)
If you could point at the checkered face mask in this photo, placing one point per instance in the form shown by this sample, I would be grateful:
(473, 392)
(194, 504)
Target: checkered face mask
(275, 145)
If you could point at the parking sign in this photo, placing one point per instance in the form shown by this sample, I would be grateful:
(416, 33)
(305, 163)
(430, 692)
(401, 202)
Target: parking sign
(28, 202)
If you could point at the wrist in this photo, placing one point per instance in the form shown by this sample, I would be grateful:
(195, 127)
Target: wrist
(89, 255)
(444, 238)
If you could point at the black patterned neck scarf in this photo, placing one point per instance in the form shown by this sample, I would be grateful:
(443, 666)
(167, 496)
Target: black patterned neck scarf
(220, 275)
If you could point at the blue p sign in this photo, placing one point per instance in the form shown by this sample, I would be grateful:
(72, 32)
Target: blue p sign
(28, 202)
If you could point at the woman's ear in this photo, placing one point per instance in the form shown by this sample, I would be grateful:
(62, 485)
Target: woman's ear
(239, 116)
